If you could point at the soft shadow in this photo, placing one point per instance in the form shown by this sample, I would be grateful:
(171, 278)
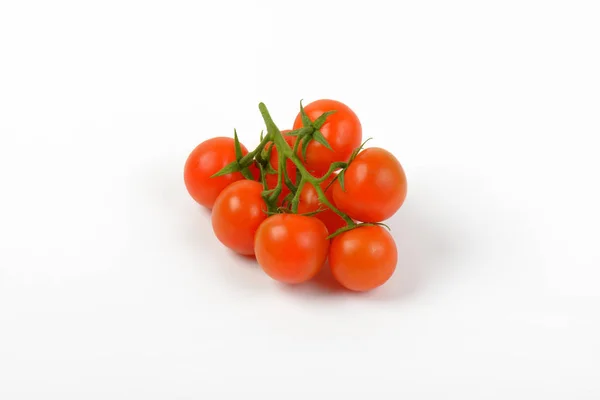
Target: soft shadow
(325, 282)
(427, 234)
(184, 227)
(323, 285)
(427, 239)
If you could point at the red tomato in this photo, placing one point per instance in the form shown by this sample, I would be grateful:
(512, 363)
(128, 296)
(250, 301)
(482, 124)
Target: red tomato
(291, 248)
(237, 214)
(289, 166)
(208, 158)
(375, 186)
(342, 130)
(363, 258)
(309, 202)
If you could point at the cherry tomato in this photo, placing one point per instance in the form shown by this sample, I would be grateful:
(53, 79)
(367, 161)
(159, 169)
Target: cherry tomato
(291, 248)
(289, 166)
(309, 202)
(237, 214)
(208, 158)
(374, 186)
(363, 258)
(342, 130)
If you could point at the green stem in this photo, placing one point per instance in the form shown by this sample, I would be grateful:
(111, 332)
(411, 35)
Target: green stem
(280, 167)
(296, 199)
(334, 166)
(297, 144)
(284, 149)
(324, 201)
(263, 177)
(347, 228)
(295, 151)
(247, 159)
(288, 181)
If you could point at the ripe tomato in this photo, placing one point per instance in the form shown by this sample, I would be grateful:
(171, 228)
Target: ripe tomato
(291, 248)
(289, 166)
(309, 202)
(375, 186)
(237, 214)
(208, 158)
(363, 258)
(342, 130)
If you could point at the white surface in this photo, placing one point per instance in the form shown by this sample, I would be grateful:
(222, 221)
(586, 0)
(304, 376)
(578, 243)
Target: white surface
(113, 286)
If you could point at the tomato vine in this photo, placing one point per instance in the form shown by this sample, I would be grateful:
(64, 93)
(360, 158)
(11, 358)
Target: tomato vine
(263, 201)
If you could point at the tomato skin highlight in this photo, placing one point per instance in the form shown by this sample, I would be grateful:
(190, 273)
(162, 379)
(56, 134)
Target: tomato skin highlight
(374, 186)
(309, 202)
(208, 158)
(342, 130)
(238, 212)
(363, 258)
(291, 248)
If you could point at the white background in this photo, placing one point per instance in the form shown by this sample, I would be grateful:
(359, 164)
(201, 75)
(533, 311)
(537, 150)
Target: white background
(112, 285)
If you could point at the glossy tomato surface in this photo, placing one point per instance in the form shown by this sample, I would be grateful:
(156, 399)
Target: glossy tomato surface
(374, 186)
(208, 158)
(238, 212)
(342, 130)
(291, 248)
(363, 258)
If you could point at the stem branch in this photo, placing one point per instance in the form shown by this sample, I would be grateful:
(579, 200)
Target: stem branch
(296, 199)
(286, 151)
(247, 159)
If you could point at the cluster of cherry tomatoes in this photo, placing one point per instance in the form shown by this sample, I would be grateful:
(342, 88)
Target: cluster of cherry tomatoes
(304, 196)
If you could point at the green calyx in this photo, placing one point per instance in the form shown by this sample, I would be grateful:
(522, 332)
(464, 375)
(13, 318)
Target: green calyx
(242, 163)
(311, 130)
(341, 176)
